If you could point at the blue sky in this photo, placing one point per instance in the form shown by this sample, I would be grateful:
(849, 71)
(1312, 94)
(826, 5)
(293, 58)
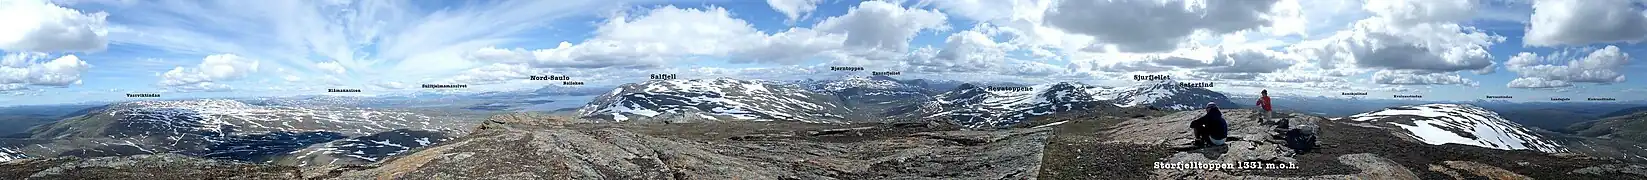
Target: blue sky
(70, 51)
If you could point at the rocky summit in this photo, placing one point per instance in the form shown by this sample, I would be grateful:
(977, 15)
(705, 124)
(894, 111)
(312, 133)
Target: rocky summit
(1099, 143)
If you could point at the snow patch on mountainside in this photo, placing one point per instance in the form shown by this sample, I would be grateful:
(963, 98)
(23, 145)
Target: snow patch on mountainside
(217, 115)
(7, 154)
(1460, 124)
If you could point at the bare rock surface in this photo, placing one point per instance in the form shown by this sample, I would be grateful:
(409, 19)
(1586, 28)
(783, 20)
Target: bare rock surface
(721, 150)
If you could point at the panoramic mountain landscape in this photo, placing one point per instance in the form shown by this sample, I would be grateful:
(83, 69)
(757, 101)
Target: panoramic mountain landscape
(823, 89)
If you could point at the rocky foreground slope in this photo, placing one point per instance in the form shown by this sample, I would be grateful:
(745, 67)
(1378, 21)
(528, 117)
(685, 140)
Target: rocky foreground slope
(1106, 143)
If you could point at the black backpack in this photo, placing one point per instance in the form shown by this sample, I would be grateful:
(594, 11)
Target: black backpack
(1301, 139)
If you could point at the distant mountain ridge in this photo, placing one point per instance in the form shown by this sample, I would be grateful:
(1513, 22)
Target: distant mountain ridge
(1632, 127)
(1625, 112)
(714, 99)
(259, 131)
(877, 99)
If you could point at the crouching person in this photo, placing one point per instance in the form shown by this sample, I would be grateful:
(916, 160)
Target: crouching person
(1210, 128)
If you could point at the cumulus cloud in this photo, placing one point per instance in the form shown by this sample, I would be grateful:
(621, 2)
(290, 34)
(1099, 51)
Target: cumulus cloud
(331, 67)
(1298, 77)
(11, 87)
(789, 47)
(1031, 69)
(207, 75)
(23, 68)
(1430, 47)
(1236, 61)
(965, 51)
(882, 25)
(1202, 60)
(1562, 68)
(40, 26)
(1420, 78)
(1423, 11)
(1409, 42)
(1534, 82)
(1582, 22)
(1223, 76)
(874, 32)
(494, 73)
(1169, 21)
(794, 9)
(1124, 66)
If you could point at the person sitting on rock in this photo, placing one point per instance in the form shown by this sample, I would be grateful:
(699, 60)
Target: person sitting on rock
(1210, 128)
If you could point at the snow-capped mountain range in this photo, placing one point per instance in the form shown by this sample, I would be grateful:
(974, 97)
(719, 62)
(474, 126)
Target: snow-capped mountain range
(878, 98)
(1165, 94)
(263, 131)
(715, 99)
(975, 106)
(1459, 124)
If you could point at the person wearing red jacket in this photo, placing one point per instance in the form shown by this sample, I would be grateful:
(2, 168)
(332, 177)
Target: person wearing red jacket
(1264, 102)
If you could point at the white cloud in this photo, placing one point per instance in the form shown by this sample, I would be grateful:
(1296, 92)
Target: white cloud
(1534, 82)
(331, 67)
(882, 25)
(201, 87)
(1598, 66)
(11, 87)
(493, 74)
(40, 26)
(1423, 11)
(390, 85)
(383, 38)
(1234, 61)
(21, 68)
(669, 33)
(1031, 69)
(1420, 78)
(1431, 47)
(1408, 42)
(794, 9)
(789, 47)
(1583, 22)
(1118, 23)
(212, 69)
(984, 10)
(494, 54)
(964, 51)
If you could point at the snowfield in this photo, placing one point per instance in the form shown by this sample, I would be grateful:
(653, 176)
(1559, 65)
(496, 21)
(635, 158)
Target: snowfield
(1438, 124)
